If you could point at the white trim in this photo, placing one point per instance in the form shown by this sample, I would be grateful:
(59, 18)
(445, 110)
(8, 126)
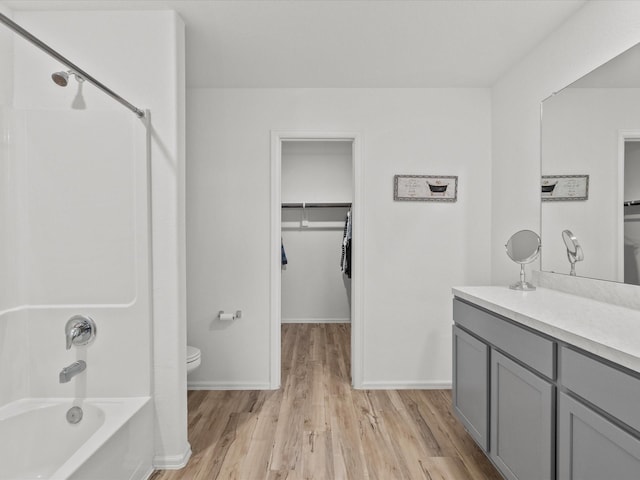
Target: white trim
(276, 260)
(172, 462)
(144, 476)
(206, 385)
(357, 284)
(316, 320)
(408, 385)
(357, 265)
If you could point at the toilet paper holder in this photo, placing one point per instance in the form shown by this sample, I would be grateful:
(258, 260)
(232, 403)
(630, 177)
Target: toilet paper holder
(229, 316)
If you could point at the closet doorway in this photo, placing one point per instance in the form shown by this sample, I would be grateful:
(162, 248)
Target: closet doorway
(631, 208)
(316, 181)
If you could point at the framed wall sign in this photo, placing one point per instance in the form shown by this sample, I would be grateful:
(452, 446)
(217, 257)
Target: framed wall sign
(561, 188)
(425, 188)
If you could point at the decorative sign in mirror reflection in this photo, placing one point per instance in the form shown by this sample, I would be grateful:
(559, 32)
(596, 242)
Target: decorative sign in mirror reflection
(425, 188)
(562, 188)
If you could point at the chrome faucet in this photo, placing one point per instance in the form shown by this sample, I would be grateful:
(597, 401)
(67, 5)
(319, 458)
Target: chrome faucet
(79, 330)
(72, 370)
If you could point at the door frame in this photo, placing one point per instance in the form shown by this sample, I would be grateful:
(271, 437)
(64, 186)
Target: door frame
(623, 137)
(357, 268)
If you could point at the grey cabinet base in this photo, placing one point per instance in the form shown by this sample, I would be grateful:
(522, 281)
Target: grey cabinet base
(592, 448)
(522, 444)
(555, 411)
(470, 385)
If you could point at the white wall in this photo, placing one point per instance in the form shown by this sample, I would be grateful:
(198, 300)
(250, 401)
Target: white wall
(596, 33)
(143, 62)
(413, 252)
(314, 289)
(317, 171)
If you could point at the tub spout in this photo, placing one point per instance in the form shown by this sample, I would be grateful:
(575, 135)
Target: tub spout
(72, 370)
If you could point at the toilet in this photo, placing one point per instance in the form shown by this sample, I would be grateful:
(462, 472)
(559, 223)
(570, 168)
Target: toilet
(193, 358)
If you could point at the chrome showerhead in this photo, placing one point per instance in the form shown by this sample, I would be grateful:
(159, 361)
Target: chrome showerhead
(62, 78)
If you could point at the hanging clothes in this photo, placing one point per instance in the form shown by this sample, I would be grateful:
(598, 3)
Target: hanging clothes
(345, 259)
(284, 255)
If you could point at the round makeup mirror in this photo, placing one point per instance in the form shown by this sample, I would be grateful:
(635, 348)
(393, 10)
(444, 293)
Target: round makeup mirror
(574, 250)
(523, 247)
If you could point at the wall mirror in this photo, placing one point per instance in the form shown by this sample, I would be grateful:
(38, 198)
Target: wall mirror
(592, 127)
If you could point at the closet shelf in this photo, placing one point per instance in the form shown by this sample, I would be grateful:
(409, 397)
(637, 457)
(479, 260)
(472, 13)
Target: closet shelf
(316, 205)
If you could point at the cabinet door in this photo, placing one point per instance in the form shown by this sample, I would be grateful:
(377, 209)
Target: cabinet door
(470, 385)
(592, 448)
(522, 419)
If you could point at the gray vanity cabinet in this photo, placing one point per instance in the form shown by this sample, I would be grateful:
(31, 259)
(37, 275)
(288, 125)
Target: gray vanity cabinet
(543, 409)
(470, 385)
(591, 447)
(522, 445)
(516, 368)
(597, 417)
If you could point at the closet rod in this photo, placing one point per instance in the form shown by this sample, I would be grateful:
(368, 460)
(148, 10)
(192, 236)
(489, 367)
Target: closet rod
(316, 205)
(631, 203)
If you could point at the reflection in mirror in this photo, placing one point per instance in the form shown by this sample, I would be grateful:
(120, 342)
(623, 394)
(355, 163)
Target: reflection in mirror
(574, 250)
(632, 243)
(523, 247)
(592, 127)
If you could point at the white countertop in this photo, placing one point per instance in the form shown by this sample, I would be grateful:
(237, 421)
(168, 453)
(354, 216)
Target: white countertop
(607, 330)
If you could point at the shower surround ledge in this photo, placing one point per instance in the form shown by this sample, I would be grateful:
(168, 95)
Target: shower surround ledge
(604, 329)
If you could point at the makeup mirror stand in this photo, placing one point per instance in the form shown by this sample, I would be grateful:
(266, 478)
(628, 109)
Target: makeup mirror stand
(523, 247)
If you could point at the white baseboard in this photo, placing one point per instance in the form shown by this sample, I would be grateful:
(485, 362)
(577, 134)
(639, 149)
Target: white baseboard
(205, 385)
(172, 462)
(316, 320)
(383, 385)
(144, 476)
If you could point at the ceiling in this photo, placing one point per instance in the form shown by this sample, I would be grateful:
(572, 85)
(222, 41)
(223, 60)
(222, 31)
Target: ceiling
(347, 43)
(619, 72)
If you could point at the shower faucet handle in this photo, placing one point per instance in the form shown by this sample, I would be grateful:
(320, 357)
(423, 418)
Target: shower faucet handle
(80, 330)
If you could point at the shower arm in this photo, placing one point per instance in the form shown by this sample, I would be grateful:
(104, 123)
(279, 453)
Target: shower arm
(51, 52)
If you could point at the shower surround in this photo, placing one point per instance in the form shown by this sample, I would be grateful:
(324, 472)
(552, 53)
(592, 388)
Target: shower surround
(82, 244)
(76, 222)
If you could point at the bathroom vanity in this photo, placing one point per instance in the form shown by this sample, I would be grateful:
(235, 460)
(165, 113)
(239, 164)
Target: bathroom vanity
(548, 383)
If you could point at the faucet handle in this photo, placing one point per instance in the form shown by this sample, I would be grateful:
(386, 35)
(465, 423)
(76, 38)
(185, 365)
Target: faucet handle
(80, 330)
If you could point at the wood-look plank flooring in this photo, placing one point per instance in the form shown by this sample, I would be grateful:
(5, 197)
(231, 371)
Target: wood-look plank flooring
(317, 427)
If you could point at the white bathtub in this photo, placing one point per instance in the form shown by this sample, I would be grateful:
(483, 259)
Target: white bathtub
(112, 442)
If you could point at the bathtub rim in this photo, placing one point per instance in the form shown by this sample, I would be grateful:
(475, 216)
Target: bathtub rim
(117, 410)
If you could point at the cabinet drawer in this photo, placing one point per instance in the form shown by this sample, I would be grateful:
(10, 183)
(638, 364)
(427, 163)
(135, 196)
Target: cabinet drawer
(534, 350)
(605, 386)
